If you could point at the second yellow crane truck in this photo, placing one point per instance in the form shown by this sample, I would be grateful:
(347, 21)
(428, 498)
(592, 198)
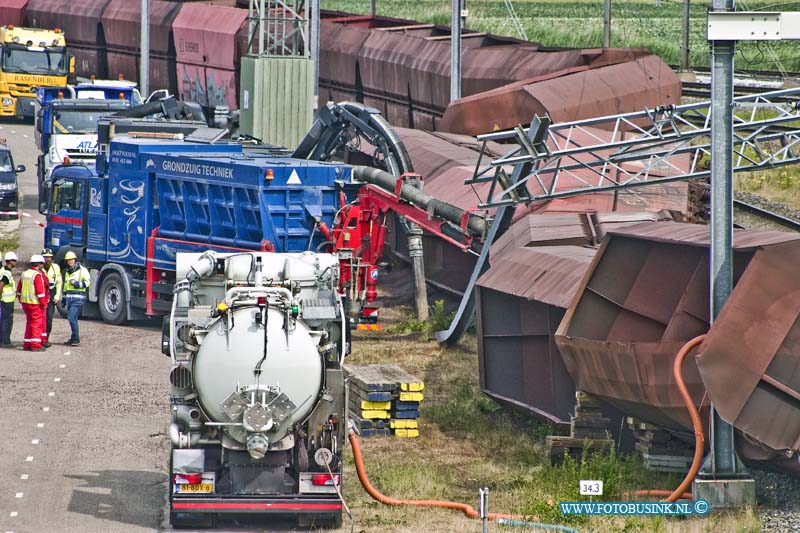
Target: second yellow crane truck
(30, 58)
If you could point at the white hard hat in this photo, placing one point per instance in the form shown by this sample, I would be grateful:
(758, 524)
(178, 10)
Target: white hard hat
(36, 258)
(11, 256)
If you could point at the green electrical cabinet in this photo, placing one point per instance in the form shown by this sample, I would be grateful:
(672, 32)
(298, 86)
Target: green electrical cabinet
(277, 98)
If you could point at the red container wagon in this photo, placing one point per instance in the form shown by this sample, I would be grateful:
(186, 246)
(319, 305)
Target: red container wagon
(81, 22)
(122, 28)
(207, 57)
(13, 12)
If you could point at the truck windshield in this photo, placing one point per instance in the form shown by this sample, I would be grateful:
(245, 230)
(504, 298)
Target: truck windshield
(66, 195)
(50, 61)
(78, 121)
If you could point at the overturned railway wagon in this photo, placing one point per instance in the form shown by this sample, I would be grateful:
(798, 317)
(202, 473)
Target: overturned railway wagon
(445, 160)
(536, 269)
(646, 294)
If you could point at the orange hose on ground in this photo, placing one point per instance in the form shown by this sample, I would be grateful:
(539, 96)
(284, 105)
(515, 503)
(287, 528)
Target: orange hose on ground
(382, 498)
(699, 440)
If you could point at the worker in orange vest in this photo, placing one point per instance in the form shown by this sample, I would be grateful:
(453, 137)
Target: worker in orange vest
(34, 296)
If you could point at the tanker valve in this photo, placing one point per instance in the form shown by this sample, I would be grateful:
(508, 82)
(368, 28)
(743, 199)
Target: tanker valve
(257, 445)
(220, 310)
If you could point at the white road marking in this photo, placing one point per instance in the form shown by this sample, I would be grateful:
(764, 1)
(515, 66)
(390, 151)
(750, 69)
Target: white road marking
(25, 136)
(12, 514)
(66, 353)
(35, 441)
(51, 393)
(56, 379)
(24, 476)
(62, 366)
(12, 131)
(40, 425)
(45, 409)
(19, 495)
(29, 459)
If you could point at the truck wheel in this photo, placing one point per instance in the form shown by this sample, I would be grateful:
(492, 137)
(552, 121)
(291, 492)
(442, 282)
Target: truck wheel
(111, 300)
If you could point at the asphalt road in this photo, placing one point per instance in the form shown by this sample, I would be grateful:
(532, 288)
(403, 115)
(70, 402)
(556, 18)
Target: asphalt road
(83, 429)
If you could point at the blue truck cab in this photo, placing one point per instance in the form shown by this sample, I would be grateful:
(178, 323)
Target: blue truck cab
(153, 198)
(9, 187)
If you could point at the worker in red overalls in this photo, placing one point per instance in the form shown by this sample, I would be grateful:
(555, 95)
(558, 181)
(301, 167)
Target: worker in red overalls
(34, 296)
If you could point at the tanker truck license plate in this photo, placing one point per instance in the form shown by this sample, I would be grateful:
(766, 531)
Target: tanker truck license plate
(206, 488)
(195, 483)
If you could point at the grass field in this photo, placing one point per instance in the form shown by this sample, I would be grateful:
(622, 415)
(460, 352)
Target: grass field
(578, 23)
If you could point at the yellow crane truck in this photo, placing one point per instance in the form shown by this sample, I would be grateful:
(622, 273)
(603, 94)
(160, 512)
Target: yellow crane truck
(30, 58)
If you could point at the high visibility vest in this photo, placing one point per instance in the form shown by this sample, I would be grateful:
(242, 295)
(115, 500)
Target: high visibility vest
(9, 293)
(27, 292)
(54, 277)
(71, 279)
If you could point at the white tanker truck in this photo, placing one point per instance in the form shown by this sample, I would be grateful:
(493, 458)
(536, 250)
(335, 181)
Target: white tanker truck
(257, 342)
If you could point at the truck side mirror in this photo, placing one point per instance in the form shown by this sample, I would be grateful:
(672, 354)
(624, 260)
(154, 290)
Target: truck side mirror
(165, 340)
(20, 168)
(44, 197)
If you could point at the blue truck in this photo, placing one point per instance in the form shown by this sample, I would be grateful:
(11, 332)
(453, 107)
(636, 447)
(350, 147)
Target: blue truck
(147, 199)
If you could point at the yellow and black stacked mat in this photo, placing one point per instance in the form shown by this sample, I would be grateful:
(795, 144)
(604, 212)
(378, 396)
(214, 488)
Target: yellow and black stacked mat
(384, 400)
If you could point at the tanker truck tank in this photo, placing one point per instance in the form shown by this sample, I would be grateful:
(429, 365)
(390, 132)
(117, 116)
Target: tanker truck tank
(257, 341)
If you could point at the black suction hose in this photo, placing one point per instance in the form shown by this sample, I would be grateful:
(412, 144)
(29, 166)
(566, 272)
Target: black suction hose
(449, 212)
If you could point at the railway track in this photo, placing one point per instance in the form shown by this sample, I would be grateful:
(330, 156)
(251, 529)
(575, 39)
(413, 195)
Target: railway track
(703, 90)
(765, 214)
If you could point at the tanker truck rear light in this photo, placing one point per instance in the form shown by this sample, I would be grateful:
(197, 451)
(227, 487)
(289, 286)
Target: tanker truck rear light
(262, 300)
(326, 480)
(188, 479)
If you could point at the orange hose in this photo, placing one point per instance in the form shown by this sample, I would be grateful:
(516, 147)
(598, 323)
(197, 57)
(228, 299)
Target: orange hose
(382, 498)
(699, 440)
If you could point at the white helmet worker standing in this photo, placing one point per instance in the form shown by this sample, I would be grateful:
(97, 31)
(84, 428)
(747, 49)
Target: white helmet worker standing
(34, 297)
(8, 293)
(54, 284)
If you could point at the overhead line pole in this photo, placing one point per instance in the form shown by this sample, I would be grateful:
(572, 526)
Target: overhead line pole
(685, 35)
(315, 30)
(455, 51)
(144, 60)
(606, 23)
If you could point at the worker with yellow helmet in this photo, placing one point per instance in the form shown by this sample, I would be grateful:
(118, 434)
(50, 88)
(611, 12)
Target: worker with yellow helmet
(76, 281)
(54, 283)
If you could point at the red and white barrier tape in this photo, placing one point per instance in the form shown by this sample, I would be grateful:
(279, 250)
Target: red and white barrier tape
(23, 214)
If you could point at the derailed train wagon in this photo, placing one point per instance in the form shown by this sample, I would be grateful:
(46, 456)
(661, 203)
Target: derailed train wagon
(647, 293)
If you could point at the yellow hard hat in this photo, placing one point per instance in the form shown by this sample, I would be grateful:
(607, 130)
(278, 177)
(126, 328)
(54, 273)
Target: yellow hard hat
(70, 255)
